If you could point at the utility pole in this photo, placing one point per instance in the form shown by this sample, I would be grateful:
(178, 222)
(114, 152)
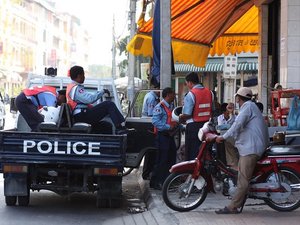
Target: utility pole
(113, 67)
(165, 43)
(131, 57)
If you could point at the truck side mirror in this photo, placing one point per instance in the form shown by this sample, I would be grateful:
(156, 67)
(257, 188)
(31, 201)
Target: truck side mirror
(13, 106)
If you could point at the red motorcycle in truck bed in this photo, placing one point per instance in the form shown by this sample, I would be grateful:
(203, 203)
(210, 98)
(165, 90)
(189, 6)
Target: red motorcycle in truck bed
(276, 178)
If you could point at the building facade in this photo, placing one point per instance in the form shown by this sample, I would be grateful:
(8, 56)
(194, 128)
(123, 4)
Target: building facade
(34, 36)
(279, 54)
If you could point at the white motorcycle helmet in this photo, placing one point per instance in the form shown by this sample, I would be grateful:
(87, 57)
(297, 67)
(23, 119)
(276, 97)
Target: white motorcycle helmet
(50, 113)
(176, 112)
(207, 127)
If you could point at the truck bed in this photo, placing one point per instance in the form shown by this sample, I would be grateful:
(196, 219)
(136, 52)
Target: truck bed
(62, 148)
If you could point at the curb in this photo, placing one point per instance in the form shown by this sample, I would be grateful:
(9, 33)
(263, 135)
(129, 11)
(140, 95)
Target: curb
(145, 190)
(154, 203)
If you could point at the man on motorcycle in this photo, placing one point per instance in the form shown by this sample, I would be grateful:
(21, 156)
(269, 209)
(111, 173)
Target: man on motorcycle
(251, 139)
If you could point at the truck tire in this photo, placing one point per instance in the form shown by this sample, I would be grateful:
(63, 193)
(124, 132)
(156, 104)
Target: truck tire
(115, 203)
(10, 200)
(102, 203)
(23, 200)
(109, 194)
(108, 203)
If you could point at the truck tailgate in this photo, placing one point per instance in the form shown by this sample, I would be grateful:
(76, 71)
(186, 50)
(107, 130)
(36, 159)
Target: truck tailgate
(62, 148)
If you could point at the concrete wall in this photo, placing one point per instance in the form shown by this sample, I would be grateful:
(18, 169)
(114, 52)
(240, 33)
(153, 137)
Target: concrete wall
(290, 44)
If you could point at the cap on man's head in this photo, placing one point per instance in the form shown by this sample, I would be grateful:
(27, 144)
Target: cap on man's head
(244, 92)
(277, 86)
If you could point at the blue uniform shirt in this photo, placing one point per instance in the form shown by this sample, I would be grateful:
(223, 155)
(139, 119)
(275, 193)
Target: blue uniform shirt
(159, 118)
(189, 102)
(83, 97)
(150, 101)
(45, 99)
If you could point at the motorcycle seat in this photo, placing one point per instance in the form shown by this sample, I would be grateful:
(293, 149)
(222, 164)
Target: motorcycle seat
(283, 150)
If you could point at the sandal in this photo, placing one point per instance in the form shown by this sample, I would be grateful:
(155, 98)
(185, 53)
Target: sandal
(227, 211)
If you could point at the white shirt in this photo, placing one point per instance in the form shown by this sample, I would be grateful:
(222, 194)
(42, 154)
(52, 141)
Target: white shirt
(222, 120)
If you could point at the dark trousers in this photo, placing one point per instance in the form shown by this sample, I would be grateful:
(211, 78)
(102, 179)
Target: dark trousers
(95, 114)
(29, 111)
(192, 142)
(166, 157)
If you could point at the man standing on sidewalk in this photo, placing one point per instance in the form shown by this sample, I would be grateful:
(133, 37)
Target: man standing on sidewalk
(165, 143)
(197, 109)
(251, 139)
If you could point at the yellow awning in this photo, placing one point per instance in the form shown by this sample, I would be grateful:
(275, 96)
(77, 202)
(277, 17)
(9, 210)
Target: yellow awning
(186, 52)
(194, 32)
(242, 36)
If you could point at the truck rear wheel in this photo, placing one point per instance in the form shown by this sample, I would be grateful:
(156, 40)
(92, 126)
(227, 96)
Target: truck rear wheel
(109, 194)
(108, 203)
(102, 203)
(23, 200)
(10, 200)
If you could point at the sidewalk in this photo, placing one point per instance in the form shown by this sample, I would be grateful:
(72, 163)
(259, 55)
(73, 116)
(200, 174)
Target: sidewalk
(255, 211)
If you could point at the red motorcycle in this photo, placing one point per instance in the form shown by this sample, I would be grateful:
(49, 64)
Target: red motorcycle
(276, 178)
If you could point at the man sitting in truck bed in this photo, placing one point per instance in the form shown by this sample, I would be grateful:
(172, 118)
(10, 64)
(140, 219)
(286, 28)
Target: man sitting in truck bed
(80, 102)
(30, 100)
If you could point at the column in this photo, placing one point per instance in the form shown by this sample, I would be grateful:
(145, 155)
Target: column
(263, 55)
(290, 44)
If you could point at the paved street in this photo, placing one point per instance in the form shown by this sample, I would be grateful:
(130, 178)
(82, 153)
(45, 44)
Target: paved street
(255, 212)
(48, 208)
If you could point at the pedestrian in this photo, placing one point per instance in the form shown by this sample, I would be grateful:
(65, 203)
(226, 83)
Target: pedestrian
(225, 120)
(197, 109)
(251, 139)
(81, 103)
(165, 143)
(151, 99)
(30, 100)
(261, 109)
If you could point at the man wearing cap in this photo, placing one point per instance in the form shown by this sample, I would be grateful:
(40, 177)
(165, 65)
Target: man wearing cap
(30, 100)
(251, 139)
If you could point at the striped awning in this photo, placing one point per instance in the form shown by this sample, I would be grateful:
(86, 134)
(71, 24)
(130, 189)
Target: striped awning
(216, 65)
(196, 27)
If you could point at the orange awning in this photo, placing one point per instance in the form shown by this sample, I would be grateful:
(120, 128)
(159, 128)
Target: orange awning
(196, 25)
(242, 36)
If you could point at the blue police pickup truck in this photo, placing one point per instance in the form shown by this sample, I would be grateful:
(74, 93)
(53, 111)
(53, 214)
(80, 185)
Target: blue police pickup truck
(68, 157)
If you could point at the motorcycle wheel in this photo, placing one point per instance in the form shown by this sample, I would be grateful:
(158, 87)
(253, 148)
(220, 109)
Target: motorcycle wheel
(290, 177)
(175, 192)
